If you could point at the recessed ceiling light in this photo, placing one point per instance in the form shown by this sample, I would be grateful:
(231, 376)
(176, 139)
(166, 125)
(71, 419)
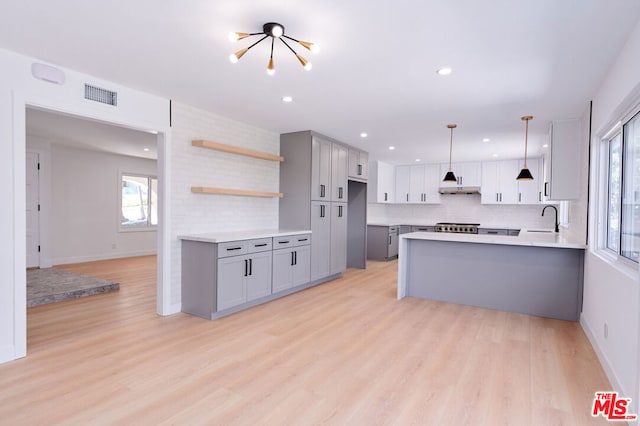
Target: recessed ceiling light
(363, 135)
(486, 140)
(391, 148)
(287, 99)
(495, 155)
(444, 71)
(418, 160)
(146, 150)
(546, 145)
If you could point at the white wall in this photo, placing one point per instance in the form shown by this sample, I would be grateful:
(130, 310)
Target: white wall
(18, 89)
(85, 191)
(192, 166)
(462, 208)
(611, 294)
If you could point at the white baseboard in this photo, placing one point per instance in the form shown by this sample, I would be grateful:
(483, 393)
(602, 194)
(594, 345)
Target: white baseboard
(94, 257)
(604, 361)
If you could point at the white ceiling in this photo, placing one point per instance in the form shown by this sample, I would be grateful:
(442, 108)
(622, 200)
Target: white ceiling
(375, 71)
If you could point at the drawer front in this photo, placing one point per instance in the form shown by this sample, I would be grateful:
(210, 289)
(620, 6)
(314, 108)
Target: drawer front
(393, 230)
(259, 244)
(301, 240)
(423, 229)
(232, 248)
(283, 242)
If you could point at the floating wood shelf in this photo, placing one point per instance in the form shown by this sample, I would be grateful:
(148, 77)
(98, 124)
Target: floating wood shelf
(228, 191)
(236, 150)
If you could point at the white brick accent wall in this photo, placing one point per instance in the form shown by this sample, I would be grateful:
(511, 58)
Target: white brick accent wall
(193, 166)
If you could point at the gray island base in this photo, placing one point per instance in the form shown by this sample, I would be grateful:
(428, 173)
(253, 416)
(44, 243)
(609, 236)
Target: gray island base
(541, 280)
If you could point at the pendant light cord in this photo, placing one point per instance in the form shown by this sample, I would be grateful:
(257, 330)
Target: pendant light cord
(450, 148)
(526, 140)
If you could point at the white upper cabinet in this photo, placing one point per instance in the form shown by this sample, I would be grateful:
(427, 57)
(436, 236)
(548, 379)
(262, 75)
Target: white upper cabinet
(467, 174)
(499, 184)
(564, 174)
(530, 191)
(381, 185)
(339, 154)
(403, 184)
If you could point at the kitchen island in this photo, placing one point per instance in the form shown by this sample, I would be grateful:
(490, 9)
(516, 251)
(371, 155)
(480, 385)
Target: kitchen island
(535, 273)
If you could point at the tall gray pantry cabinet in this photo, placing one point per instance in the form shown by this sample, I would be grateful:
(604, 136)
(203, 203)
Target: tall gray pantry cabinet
(313, 179)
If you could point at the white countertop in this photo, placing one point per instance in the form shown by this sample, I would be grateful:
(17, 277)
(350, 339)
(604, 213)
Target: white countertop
(526, 238)
(224, 237)
(399, 224)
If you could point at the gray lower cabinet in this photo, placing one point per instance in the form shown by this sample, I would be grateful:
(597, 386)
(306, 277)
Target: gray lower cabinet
(291, 267)
(222, 278)
(321, 243)
(242, 279)
(338, 253)
(382, 242)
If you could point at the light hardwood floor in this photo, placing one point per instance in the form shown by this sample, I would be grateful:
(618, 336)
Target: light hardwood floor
(345, 353)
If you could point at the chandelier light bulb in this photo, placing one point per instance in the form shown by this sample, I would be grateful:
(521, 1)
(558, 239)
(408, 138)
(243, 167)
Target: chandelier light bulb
(233, 58)
(270, 68)
(314, 48)
(277, 31)
(233, 37)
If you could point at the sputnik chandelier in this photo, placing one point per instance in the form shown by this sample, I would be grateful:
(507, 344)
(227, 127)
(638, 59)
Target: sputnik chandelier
(275, 31)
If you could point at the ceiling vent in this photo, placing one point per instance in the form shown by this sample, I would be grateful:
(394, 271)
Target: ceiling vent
(101, 95)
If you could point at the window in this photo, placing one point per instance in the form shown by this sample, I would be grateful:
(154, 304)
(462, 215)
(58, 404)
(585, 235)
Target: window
(138, 202)
(622, 233)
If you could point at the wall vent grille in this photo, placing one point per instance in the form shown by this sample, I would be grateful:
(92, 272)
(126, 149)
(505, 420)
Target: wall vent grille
(101, 95)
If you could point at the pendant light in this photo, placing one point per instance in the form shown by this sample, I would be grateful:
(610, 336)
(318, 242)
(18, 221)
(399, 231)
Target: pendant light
(525, 174)
(450, 177)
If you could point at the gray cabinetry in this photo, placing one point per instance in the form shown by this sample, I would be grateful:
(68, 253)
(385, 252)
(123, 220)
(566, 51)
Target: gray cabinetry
(318, 200)
(222, 278)
(382, 242)
(244, 278)
(358, 164)
(321, 244)
(320, 169)
(338, 252)
(339, 186)
(292, 265)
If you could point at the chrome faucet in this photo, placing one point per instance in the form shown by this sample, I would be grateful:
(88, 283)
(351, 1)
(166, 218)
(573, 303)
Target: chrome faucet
(553, 207)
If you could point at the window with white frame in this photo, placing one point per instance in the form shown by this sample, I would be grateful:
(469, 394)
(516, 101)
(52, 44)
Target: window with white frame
(622, 216)
(138, 202)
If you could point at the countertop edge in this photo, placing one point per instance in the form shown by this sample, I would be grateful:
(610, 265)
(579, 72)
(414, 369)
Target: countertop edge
(224, 237)
(522, 240)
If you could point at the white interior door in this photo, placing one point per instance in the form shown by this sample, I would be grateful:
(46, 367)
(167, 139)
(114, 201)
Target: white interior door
(33, 213)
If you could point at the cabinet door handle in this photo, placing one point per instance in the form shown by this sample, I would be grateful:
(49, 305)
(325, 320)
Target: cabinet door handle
(292, 258)
(501, 197)
(540, 196)
(322, 191)
(246, 267)
(546, 189)
(234, 248)
(339, 211)
(407, 197)
(340, 191)
(283, 242)
(519, 197)
(385, 196)
(497, 197)
(359, 169)
(260, 245)
(250, 266)
(321, 210)
(303, 239)
(295, 257)
(389, 239)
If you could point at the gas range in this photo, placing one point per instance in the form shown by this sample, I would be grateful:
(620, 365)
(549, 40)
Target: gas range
(461, 228)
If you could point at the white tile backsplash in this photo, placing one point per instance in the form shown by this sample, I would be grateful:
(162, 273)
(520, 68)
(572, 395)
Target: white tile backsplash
(462, 208)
